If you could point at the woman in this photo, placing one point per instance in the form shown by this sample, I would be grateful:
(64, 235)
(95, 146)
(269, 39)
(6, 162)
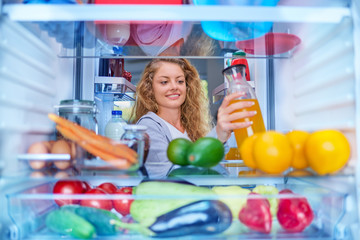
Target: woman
(171, 103)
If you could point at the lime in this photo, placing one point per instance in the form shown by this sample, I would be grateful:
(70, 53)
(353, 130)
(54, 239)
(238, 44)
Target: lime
(177, 151)
(206, 152)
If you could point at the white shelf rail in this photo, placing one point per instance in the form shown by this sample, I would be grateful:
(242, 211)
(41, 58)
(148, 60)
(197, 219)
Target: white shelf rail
(92, 12)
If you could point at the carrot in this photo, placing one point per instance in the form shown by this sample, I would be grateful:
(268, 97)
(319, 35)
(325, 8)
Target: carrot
(116, 148)
(120, 163)
(97, 140)
(69, 124)
(68, 133)
(92, 137)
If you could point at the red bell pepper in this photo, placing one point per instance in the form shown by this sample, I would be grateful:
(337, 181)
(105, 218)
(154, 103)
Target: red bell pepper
(294, 213)
(256, 214)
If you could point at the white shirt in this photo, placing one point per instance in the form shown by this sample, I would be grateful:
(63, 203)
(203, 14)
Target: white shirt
(175, 133)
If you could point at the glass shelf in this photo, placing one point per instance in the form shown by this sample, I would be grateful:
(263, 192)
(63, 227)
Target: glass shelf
(206, 31)
(109, 12)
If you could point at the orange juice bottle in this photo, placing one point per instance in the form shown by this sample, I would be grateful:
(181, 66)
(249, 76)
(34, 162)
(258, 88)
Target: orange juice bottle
(233, 154)
(258, 122)
(236, 82)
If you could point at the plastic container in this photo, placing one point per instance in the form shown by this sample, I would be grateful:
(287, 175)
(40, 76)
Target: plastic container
(236, 80)
(114, 129)
(29, 208)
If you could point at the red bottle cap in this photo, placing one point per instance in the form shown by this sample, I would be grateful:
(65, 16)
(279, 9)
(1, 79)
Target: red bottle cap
(244, 62)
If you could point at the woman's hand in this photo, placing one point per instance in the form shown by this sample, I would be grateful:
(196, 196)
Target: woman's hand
(226, 116)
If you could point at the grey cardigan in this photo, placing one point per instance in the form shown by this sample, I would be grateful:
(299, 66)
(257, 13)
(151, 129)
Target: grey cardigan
(157, 163)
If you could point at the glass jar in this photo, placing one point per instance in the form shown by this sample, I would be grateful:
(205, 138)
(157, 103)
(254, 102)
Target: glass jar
(138, 132)
(82, 112)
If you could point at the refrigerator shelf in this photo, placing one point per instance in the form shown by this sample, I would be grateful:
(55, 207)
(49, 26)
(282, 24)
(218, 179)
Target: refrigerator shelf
(96, 12)
(44, 157)
(29, 208)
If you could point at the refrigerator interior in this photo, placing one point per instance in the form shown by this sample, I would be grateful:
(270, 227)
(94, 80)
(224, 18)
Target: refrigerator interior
(313, 84)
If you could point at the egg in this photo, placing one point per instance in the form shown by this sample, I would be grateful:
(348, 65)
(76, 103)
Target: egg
(61, 147)
(61, 174)
(62, 165)
(73, 150)
(38, 148)
(48, 145)
(37, 174)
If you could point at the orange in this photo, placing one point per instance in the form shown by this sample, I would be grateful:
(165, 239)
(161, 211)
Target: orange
(297, 139)
(300, 173)
(246, 150)
(250, 172)
(327, 151)
(273, 152)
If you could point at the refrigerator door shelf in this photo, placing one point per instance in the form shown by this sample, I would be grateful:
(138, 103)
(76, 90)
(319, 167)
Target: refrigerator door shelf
(119, 86)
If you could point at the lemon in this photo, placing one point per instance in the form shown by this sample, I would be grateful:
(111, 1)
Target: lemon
(177, 151)
(297, 139)
(327, 151)
(246, 151)
(273, 152)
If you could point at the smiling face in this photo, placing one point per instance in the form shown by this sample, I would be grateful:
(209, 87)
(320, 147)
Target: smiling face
(169, 86)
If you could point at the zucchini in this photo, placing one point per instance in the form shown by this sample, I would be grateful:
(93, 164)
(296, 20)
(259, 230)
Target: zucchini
(145, 211)
(69, 223)
(99, 218)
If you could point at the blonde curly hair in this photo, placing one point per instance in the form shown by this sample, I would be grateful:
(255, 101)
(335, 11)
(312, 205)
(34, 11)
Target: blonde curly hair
(195, 115)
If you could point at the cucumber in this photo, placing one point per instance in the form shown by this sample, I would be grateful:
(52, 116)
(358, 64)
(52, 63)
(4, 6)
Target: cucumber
(105, 222)
(99, 218)
(69, 223)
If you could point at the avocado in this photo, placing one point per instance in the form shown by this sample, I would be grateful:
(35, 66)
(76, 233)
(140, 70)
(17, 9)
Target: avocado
(177, 151)
(206, 152)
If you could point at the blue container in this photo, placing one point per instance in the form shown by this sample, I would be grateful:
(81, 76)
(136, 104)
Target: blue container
(236, 31)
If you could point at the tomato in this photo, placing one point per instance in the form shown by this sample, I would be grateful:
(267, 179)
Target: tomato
(86, 186)
(122, 206)
(256, 214)
(295, 213)
(68, 187)
(108, 187)
(96, 203)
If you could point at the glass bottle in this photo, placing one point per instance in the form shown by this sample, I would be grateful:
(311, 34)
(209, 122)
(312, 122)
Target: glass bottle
(114, 129)
(236, 80)
(138, 132)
